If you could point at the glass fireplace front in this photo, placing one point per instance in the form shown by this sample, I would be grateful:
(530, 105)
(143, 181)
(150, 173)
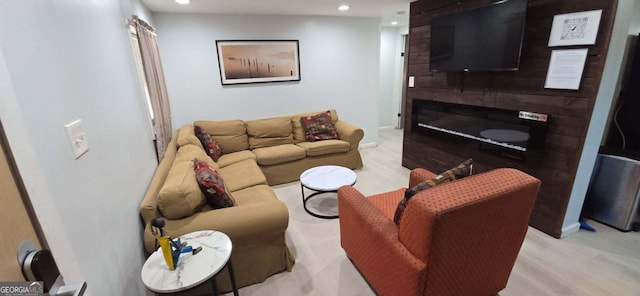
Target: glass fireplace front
(519, 135)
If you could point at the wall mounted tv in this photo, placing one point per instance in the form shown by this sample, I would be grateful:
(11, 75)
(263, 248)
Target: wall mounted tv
(488, 38)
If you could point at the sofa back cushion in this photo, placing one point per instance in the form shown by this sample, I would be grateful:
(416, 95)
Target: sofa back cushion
(180, 195)
(298, 130)
(231, 135)
(269, 132)
(187, 136)
(188, 152)
(149, 204)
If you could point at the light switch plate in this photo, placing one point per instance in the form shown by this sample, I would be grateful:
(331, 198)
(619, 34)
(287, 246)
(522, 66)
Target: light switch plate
(77, 137)
(411, 81)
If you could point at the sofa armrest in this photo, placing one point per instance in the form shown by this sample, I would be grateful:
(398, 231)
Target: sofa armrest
(419, 175)
(370, 240)
(240, 223)
(349, 133)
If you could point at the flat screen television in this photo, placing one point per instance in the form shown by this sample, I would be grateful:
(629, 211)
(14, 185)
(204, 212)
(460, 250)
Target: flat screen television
(488, 38)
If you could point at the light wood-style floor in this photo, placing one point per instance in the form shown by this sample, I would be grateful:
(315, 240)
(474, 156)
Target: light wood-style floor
(606, 262)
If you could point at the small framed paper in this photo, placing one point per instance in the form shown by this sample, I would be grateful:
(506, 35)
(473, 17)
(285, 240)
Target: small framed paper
(578, 28)
(565, 68)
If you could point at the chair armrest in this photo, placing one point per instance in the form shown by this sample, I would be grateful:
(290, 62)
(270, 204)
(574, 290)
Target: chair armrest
(349, 133)
(370, 240)
(240, 223)
(419, 175)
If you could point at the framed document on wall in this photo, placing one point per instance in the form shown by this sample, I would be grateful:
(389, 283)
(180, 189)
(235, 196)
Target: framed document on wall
(565, 68)
(577, 28)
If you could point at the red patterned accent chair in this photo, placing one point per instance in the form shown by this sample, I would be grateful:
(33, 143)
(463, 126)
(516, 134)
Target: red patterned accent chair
(458, 238)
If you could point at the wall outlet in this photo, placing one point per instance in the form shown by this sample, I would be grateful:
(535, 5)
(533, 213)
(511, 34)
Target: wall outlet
(77, 137)
(411, 81)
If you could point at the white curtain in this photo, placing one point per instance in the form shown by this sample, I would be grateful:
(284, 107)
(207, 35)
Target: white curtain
(154, 75)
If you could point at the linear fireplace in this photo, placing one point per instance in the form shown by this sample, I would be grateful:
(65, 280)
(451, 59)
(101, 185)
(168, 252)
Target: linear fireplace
(518, 135)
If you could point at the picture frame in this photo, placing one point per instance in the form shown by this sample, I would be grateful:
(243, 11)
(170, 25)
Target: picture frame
(577, 28)
(258, 61)
(566, 68)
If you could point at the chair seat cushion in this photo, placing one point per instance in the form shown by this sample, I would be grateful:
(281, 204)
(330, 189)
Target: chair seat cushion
(326, 147)
(387, 202)
(279, 154)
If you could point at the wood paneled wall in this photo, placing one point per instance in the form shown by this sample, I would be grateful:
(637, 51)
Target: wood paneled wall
(570, 111)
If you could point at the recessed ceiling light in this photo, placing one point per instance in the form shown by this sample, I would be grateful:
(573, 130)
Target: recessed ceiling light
(183, 1)
(394, 23)
(343, 7)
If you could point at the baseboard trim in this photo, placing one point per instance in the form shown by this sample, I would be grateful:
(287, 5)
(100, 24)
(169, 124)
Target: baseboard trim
(368, 145)
(569, 230)
(386, 127)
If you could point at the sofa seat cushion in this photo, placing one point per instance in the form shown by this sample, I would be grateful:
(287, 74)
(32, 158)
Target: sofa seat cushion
(279, 154)
(231, 135)
(241, 175)
(269, 132)
(325, 147)
(234, 157)
(254, 194)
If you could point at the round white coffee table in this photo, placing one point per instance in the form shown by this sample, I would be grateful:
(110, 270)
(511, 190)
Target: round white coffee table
(323, 179)
(191, 270)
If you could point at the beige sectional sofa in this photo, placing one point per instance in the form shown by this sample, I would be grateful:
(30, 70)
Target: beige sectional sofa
(256, 154)
(279, 146)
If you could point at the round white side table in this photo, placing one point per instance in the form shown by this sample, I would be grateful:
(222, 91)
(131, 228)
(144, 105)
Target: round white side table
(192, 270)
(323, 179)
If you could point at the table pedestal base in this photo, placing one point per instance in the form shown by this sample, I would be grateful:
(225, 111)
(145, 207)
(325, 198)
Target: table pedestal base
(305, 199)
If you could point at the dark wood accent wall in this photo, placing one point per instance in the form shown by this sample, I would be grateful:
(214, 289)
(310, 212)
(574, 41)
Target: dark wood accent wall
(570, 111)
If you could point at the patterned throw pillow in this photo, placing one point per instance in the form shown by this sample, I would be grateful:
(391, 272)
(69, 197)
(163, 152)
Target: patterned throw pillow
(319, 127)
(211, 184)
(462, 170)
(210, 146)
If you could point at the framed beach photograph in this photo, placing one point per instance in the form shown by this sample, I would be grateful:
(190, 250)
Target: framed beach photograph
(254, 61)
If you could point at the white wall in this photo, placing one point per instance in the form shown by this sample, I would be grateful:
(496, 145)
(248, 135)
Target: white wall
(608, 91)
(391, 63)
(59, 61)
(634, 28)
(339, 62)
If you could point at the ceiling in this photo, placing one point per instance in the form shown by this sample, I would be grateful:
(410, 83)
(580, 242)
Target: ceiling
(387, 10)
